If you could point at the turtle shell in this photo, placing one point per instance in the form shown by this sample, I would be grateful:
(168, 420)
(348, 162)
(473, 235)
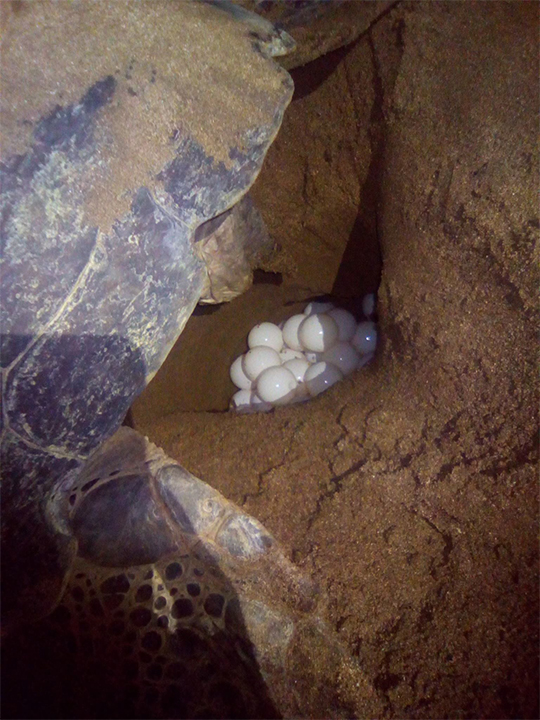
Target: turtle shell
(146, 121)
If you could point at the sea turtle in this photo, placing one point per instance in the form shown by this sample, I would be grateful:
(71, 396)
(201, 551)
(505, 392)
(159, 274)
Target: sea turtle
(130, 587)
(103, 231)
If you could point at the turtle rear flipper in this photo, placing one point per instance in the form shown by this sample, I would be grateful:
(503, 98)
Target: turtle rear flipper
(180, 605)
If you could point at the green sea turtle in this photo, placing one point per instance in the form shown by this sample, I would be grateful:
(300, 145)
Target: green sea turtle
(130, 587)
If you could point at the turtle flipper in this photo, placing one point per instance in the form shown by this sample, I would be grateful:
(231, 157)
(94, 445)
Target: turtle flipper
(180, 605)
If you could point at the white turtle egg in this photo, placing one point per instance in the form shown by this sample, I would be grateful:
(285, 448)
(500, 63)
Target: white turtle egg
(346, 323)
(259, 405)
(266, 333)
(276, 385)
(238, 376)
(287, 354)
(365, 337)
(365, 359)
(368, 304)
(313, 357)
(258, 359)
(343, 356)
(298, 367)
(241, 401)
(321, 376)
(318, 332)
(290, 332)
(318, 307)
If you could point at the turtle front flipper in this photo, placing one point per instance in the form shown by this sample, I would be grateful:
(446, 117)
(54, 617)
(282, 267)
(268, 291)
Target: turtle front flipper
(178, 605)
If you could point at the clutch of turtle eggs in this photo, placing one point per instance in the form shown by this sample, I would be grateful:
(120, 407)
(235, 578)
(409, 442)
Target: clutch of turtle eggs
(302, 357)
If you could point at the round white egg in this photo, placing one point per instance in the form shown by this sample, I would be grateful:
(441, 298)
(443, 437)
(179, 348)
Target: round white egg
(346, 323)
(368, 305)
(343, 356)
(288, 354)
(276, 385)
(238, 376)
(321, 376)
(365, 337)
(290, 332)
(267, 334)
(241, 401)
(318, 332)
(258, 359)
(318, 307)
(298, 367)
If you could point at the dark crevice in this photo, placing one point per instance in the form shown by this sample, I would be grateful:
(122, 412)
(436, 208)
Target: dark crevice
(360, 268)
